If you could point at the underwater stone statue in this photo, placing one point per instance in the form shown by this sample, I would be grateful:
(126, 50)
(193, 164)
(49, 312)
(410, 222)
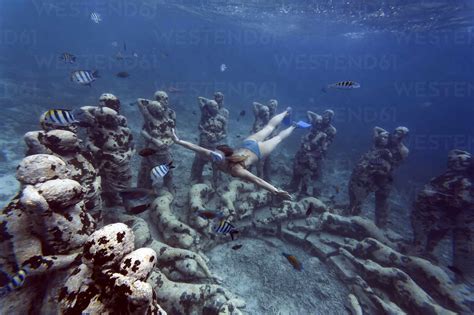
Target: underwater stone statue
(112, 277)
(308, 158)
(219, 98)
(110, 141)
(159, 120)
(212, 132)
(328, 128)
(66, 145)
(397, 147)
(373, 173)
(263, 114)
(44, 226)
(446, 204)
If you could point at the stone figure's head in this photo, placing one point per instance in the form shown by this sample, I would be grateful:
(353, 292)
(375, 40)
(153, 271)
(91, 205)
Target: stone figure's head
(265, 112)
(314, 119)
(219, 98)
(327, 115)
(110, 101)
(459, 160)
(272, 105)
(400, 133)
(381, 139)
(107, 118)
(212, 108)
(61, 141)
(162, 97)
(155, 108)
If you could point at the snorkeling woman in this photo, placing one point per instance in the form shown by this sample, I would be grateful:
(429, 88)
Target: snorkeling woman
(254, 148)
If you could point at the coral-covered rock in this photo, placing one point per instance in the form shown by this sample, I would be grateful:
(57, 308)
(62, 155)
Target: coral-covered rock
(39, 168)
(139, 263)
(112, 278)
(61, 192)
(106, 247)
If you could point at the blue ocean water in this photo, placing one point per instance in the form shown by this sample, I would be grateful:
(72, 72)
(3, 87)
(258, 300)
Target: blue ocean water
(413, 59)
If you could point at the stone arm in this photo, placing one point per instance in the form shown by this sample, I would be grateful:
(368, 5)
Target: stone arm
(148, 137)
(85, 115)
(257, 107)
(91, 147)
(224, 128)
(377, 131)
(172, 114)
(33, 143)
(404, 151)
(224, 120)
(202, 101)
(331, 134)
(204, 132)
(224, 112)
(143, 109)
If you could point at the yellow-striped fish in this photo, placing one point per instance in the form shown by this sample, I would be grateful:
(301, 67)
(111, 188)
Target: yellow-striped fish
(58, 117)
(15, 282)
(225, 227)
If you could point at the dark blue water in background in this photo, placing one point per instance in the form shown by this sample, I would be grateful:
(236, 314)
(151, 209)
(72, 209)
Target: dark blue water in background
(419, 77)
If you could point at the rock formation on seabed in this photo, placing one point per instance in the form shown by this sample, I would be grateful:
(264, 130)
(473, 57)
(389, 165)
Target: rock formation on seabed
(42, 231)
(371, 261)
(154, 263)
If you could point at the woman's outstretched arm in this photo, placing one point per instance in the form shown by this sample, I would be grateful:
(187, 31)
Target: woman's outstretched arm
(246, 175)
(191, 146)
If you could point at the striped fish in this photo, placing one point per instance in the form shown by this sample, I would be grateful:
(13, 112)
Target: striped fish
(84, 77)
(160, 171)
(225, 227)
(343, 85)
(15, 282)
(96, 18)
(68, 57)
(58, 117)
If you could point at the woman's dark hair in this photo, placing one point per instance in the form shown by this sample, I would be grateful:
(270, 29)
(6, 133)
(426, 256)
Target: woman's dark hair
(228, 151)
(229, 154)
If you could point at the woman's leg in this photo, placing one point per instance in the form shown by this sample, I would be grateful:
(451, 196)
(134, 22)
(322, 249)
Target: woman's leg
(268, 129)
(266, 147)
